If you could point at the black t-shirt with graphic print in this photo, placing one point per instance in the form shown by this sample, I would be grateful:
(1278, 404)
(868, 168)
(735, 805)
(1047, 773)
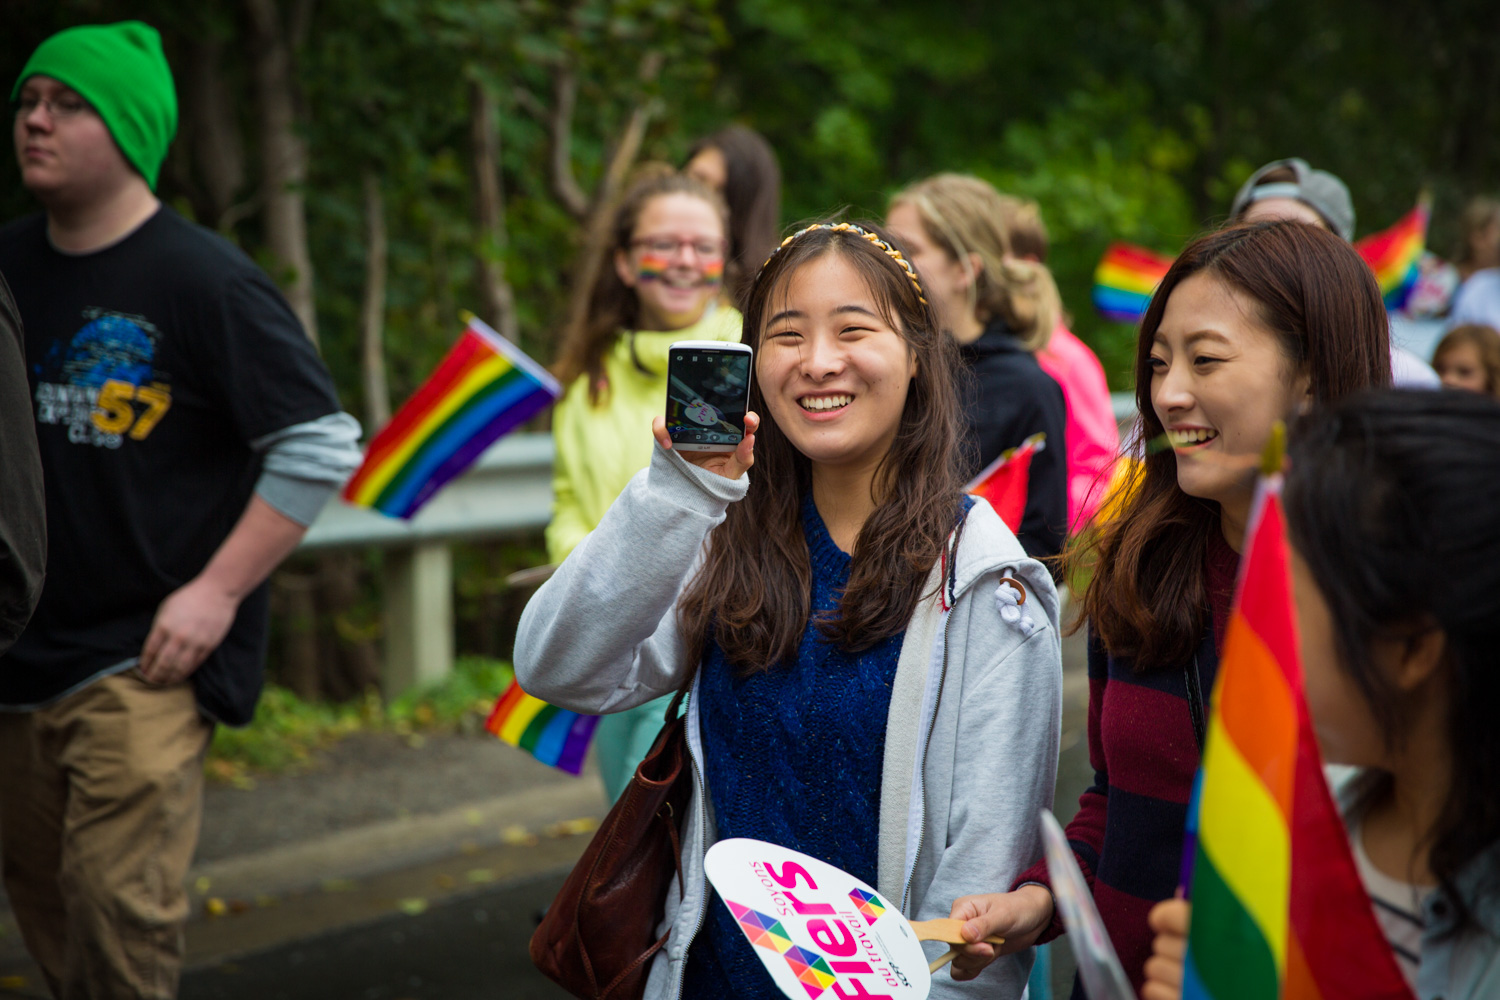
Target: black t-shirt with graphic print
(152, 365)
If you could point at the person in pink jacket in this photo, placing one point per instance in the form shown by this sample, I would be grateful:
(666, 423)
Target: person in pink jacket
(1093, 435)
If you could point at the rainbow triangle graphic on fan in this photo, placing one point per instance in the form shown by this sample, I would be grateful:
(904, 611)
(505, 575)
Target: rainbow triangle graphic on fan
(869, 904)
(811, 969)
(762, 930)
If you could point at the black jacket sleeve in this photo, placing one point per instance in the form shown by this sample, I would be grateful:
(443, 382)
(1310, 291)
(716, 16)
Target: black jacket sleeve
(23, 516)
(1009, 399)
(1045, 522)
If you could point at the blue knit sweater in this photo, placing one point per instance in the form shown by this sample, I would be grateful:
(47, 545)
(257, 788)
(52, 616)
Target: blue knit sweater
(792, 756)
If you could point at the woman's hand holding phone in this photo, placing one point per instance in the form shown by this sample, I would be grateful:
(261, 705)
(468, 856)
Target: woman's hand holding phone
(729, 464)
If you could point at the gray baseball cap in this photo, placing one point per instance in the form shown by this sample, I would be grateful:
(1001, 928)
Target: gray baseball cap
(1318, 189)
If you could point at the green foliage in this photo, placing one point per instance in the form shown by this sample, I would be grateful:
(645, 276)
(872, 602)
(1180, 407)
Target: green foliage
(1125, 121)
(287, 732)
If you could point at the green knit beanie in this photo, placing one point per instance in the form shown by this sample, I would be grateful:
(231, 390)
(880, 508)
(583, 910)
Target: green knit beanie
(121, 70)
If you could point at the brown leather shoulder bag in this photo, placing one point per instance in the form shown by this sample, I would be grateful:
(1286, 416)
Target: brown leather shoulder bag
(598, 937)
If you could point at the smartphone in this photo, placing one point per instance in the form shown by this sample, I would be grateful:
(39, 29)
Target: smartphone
(708, 392)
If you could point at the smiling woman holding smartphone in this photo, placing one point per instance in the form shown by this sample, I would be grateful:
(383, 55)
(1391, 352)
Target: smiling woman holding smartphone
(661, 282)
(838, 614)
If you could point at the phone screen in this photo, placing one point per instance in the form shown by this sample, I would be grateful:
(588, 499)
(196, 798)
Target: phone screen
(707, 393)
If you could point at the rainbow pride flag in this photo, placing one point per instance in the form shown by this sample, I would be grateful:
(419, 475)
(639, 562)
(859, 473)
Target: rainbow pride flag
(483, 389)
(552, 735)
(1393, 254)
(1124, 280)
(1279, 912)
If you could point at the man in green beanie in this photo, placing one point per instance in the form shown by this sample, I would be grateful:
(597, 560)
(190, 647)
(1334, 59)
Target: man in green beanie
(188, 434)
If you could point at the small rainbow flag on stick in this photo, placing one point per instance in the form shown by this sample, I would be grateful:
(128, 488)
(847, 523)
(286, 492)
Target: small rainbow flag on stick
(483, 389)
(1279, 912)
(1393, 254)
(552, 735)
(1124, 280)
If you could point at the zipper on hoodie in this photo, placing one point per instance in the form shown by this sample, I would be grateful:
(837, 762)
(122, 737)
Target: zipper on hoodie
(927, 745)
(702, 791)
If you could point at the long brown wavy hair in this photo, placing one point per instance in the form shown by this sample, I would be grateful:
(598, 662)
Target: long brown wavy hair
(753, 594)
(1148, 595)
(613, 306)
(752, 190)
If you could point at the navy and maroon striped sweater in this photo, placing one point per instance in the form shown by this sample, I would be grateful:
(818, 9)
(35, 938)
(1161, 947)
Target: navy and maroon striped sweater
(1127, 835)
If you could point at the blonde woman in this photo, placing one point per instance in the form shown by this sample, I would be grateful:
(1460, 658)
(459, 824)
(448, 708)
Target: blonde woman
(1000, 310)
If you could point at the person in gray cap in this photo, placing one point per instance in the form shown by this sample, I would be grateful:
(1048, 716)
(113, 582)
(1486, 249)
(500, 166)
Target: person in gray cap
(1292, 189)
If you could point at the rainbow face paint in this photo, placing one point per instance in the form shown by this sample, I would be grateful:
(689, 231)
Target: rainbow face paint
(653, 267)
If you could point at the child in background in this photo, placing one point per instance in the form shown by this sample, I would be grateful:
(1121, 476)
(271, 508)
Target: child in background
(660, 283)
(1468, 358)
(809, 605)
(1001, 310)
(740, 165)
(1093, 433)
(1395, 544)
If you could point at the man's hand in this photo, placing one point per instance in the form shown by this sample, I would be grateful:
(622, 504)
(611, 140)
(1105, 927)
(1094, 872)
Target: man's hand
(189, 625)
(196, 617)
(1169, 919)
(1019, 917)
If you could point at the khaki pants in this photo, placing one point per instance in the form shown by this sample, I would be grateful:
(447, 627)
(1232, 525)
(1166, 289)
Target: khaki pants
(101, 799)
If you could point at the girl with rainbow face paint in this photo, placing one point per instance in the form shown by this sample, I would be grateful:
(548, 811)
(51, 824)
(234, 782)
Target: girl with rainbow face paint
(659, 280)
(674, 260)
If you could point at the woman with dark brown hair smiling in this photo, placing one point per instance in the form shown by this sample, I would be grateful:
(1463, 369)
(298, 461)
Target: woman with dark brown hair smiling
(1251, 325)
(874, 665)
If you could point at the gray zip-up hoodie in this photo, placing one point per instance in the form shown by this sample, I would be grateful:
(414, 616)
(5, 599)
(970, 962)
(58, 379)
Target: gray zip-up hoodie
(972, 733)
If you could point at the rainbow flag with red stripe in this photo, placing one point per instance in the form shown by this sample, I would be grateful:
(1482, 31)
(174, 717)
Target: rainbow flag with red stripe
(1393, 254)
(1126, 277)
(552, 735)
(1279, 912)
(483, 389)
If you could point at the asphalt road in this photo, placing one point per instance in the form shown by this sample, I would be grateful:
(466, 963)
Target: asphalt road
(468, 948)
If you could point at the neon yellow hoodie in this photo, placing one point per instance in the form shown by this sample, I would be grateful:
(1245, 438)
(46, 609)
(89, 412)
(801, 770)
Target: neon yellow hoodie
(600, 447)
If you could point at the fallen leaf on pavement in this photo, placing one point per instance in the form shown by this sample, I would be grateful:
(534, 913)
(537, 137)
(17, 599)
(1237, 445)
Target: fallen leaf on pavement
(573, 827)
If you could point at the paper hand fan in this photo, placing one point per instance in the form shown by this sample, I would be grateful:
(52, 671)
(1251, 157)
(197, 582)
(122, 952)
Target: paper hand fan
(821, 932)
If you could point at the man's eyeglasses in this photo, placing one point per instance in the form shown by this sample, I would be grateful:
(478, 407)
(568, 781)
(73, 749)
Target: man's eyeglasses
(666, 246)
(64, 106)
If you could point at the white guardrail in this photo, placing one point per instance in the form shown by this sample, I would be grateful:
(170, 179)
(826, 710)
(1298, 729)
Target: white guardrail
(507, 492)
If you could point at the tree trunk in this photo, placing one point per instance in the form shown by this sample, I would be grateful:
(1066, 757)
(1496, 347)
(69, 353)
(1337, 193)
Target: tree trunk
(372, 311)
(216, 145)
(350, 656)
(283, 156)
(293, 598)
(601, 213)
(495, 293)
